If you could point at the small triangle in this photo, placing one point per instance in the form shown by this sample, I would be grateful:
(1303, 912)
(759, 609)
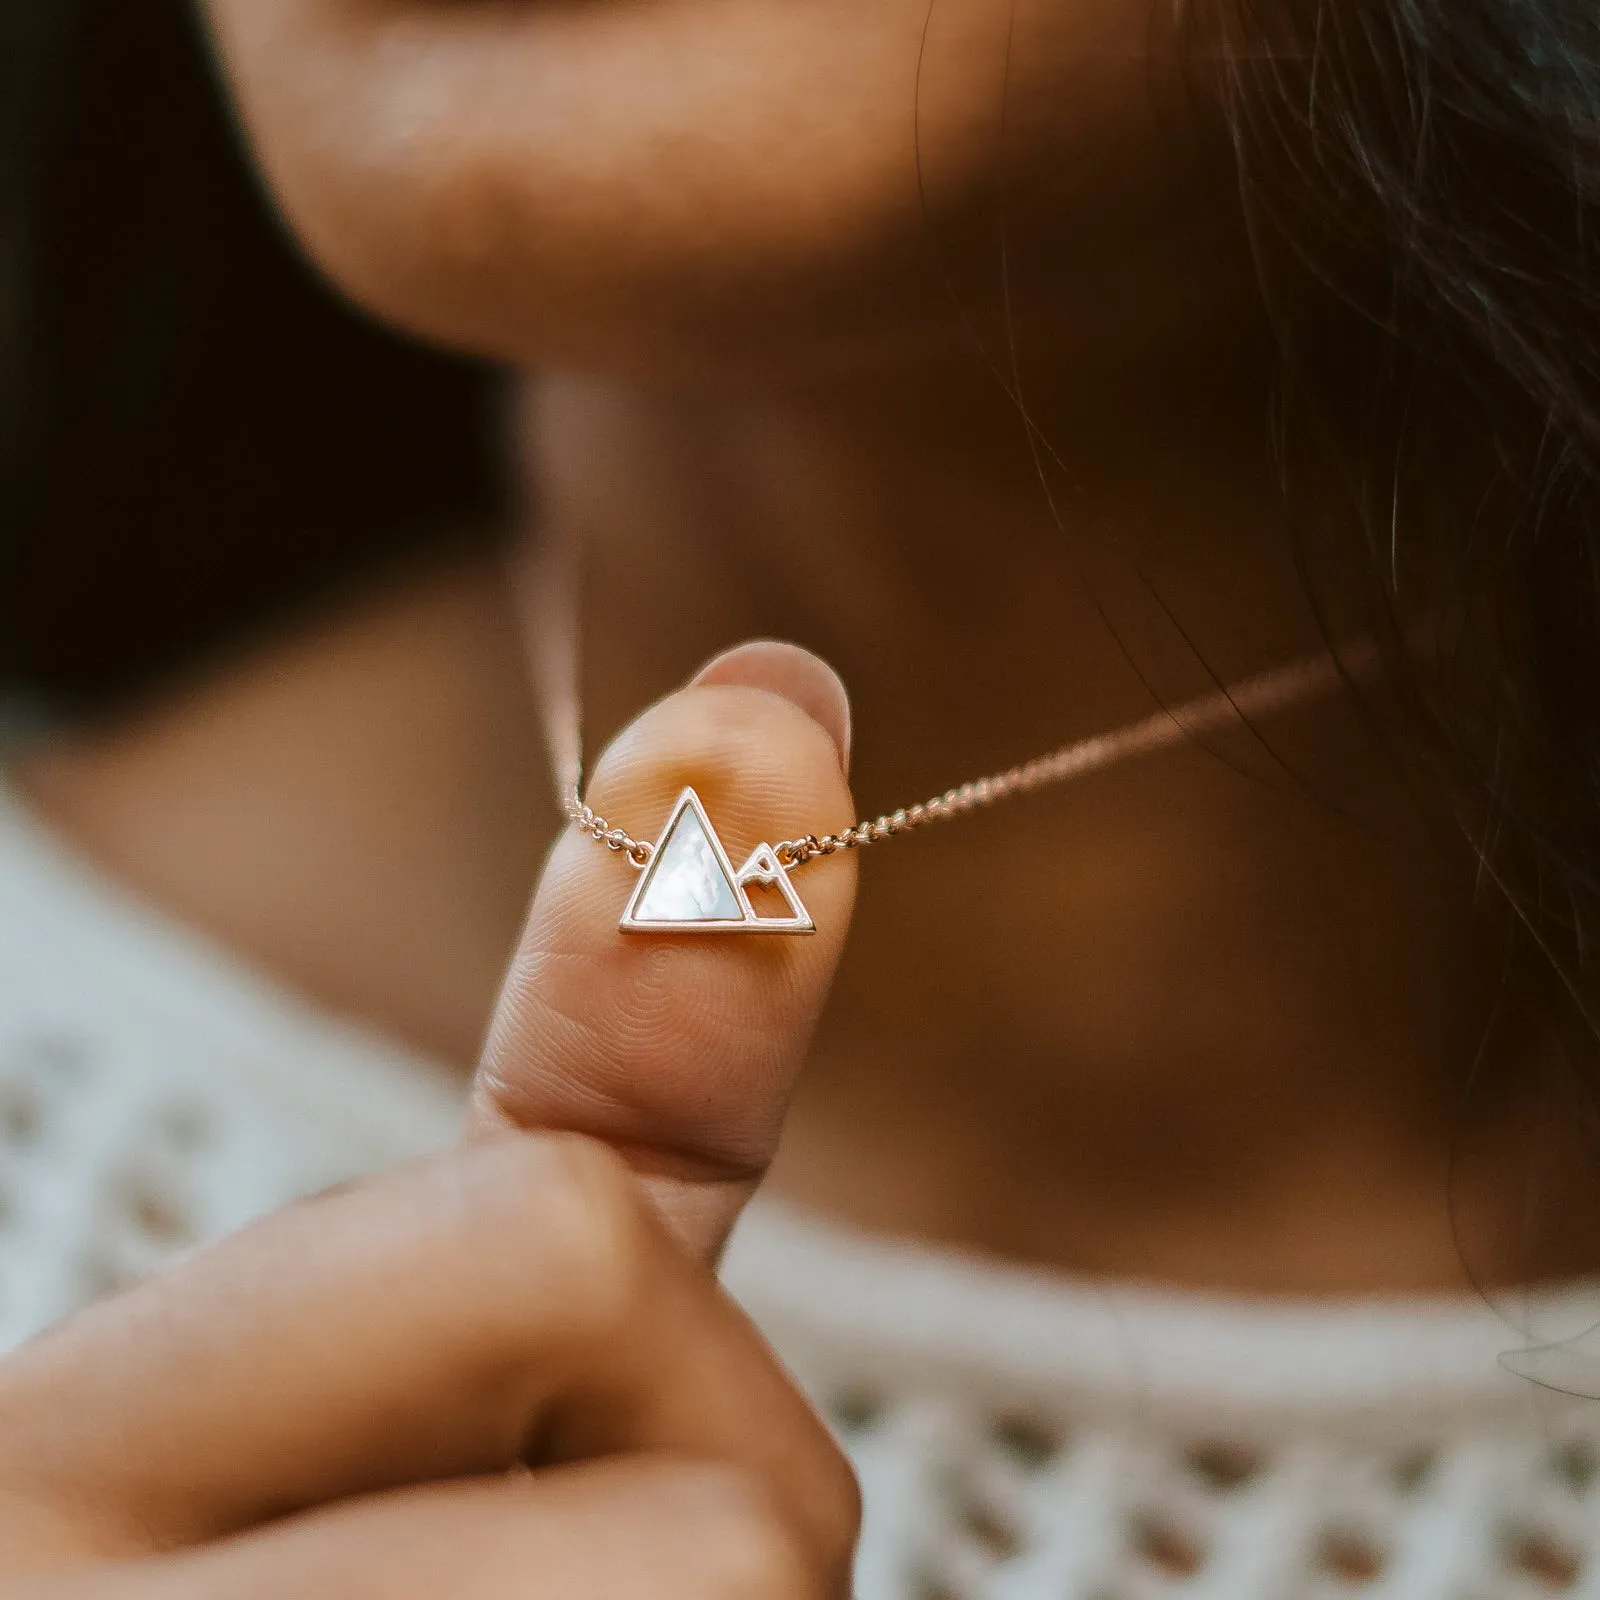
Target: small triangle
(764, 867)
(689, 880)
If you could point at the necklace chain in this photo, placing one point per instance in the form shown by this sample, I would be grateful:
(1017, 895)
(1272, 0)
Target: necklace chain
(587, 820)
(1269, 691)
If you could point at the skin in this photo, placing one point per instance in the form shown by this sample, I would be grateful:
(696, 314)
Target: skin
(1209, 1020)
(719, 187)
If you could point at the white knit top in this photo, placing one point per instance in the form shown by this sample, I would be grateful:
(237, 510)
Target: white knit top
(1019, 1436)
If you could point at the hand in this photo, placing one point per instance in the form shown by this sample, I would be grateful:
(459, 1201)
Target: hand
(507, 1370)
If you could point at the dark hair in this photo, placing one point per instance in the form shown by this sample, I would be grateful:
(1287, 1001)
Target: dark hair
(195, 433)
(1421, 180)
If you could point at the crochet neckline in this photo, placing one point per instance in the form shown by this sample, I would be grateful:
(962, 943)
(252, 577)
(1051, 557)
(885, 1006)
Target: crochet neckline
(1106, 1345)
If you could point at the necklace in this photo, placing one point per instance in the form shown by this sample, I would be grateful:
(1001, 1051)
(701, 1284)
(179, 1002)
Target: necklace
(688, 883)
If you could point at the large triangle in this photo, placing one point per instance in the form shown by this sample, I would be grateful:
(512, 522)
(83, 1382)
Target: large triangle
(689, 882)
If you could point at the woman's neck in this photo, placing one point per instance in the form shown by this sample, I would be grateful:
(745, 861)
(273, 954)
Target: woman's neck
(1208, 1017)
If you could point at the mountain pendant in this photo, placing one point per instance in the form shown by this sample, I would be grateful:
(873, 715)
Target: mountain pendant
(690, 886)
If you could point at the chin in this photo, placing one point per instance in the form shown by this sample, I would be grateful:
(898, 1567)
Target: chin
(674, 187)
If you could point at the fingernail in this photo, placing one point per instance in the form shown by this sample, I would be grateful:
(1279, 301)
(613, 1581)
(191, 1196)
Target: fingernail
(785, 669)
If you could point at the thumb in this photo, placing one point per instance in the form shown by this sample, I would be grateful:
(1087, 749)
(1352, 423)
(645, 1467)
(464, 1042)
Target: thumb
(680, 1048)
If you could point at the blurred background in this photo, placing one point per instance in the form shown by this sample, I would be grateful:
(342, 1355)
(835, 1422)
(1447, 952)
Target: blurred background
(197, 437)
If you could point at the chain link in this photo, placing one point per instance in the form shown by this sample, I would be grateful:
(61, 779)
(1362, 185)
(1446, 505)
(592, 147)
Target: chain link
(587, 820)
(1260, 695)
(956, 802)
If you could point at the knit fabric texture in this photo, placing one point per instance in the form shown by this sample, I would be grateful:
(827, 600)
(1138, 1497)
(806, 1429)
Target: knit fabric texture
(1018, 1436)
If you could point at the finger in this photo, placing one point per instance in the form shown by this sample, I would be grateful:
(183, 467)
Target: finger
(666, 1526)
(681, 1050)
(514, 1301)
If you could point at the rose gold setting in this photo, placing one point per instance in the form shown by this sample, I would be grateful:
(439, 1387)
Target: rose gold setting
(761, 866)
